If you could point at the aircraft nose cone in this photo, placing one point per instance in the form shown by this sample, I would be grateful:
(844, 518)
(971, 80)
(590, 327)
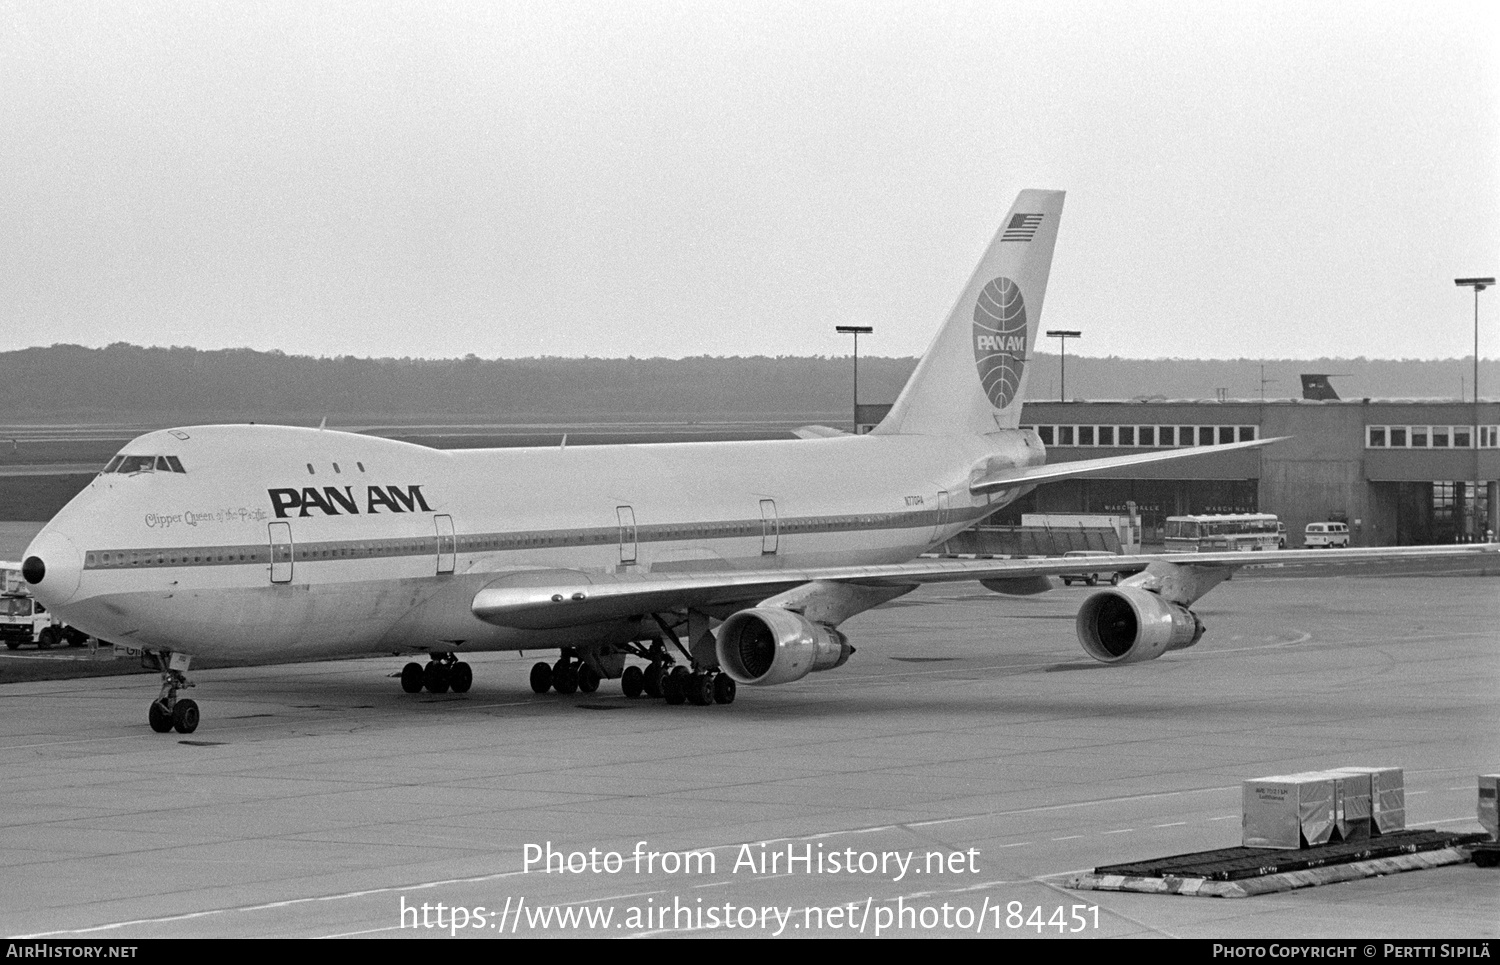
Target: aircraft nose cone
(53, 567)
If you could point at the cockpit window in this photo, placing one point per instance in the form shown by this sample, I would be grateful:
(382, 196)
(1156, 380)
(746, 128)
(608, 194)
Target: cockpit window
(133, 464)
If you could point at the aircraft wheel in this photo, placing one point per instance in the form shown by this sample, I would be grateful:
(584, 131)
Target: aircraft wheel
(674, 686)
(588, 678)
(651, 680)
(633, 681)
(724, 688)
(460, 677)
(435, 678)
(160, 717)
(541, 678)
(411, 677)
(565, 677)
(185, 717)
(700, 689)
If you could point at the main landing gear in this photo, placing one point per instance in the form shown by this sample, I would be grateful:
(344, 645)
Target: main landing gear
(168, 711)
(662, 678)
(444, 672)
(568, 675)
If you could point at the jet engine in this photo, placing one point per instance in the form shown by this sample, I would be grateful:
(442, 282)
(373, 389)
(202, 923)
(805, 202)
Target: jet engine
(1129, 624)
(769, 645)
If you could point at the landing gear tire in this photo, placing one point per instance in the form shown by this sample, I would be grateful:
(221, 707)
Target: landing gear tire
(411, 678)
(435, 678)
(185, 717)
(160, 717)
(565, 676)
(168, 710)
(699, 688)
(633, 681)
(541, 678)
(674, 686)
(460, 677)
(724, 688)
(588, 679)
(651, 680)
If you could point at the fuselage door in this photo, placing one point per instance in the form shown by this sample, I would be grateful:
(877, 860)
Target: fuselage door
(942, 515)
(770, 528)
(626, 516)
(446, 543)
(281, 552)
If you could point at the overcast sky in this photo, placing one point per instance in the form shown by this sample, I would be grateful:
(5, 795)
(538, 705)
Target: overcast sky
(734, 178)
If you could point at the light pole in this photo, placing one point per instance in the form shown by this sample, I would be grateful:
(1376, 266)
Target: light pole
(1062, 336)
(1479, 285)
(856, 331)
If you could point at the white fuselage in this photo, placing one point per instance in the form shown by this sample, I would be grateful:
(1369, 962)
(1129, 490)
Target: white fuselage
(275, 542)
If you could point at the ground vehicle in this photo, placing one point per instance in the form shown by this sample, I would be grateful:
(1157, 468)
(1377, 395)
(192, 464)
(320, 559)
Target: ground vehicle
(1237, 532)
(1325, 536)
(23, 620)
(1087, 576)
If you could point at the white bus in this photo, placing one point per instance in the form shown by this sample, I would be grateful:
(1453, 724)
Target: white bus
(1236, 533)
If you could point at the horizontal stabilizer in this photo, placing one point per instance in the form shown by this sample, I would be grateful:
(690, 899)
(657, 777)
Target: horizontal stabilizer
(818, 432)
(1029, 476)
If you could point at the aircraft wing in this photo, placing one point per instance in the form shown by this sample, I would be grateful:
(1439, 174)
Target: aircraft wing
(1011, 476)
(564, 598)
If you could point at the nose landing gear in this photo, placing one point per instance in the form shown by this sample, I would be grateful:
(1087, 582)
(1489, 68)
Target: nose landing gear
(168, 711)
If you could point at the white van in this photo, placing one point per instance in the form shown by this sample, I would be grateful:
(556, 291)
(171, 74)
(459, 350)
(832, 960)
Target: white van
(1326, 536)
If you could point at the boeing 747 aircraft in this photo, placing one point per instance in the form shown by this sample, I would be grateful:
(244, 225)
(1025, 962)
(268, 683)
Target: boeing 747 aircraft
(681, 569)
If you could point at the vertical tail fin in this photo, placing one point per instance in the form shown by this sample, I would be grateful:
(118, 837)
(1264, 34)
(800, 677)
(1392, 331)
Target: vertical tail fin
(972, 378)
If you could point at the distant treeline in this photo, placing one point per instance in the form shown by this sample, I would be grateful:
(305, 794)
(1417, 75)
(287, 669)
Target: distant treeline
(124, 380)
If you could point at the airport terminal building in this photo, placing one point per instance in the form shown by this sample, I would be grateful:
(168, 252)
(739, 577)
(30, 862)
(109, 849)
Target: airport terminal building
(1398, 472)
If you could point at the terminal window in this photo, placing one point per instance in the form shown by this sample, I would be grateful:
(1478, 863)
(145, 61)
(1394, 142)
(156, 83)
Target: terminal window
(1429, 437)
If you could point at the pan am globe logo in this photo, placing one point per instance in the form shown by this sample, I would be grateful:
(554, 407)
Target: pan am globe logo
(1000, 340)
